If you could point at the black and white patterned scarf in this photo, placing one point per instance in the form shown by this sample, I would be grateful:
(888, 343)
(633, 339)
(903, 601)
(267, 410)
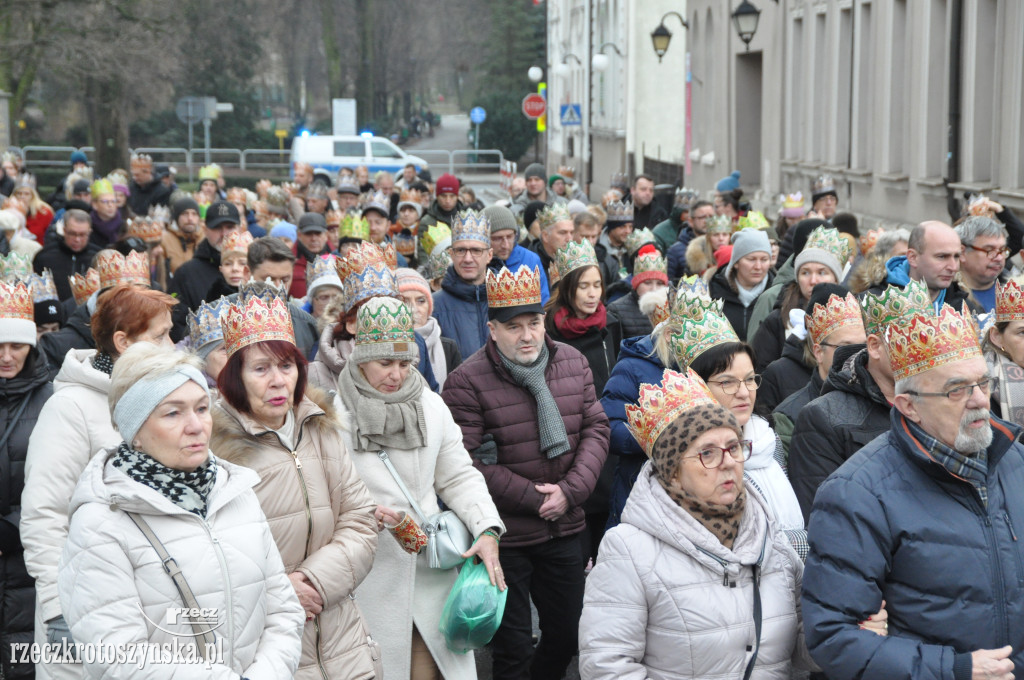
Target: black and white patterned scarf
(102, 362)
(188, 490)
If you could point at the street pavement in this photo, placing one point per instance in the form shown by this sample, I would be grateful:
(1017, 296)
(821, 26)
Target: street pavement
(451, 136)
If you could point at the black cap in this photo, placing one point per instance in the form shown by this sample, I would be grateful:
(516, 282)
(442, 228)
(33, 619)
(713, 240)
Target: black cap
(81, 186)
(76, 204)
(506, 314)
(533, 209)
(221, 212)
(312, 222)
(49, 311)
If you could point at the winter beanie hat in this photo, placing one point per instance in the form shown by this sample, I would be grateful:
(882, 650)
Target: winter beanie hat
(411, 280)
(730, 183)
(384, 330)
(501, 218)
(819, 256)
(745, 242)
(535, 170)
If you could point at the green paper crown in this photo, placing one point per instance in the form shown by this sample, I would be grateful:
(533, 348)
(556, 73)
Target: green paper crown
(384, 320)
(15, 266)
(553, 214)
(574, 256)
(354, 225)
(753, 220)
(638, 239)
(895, 304)
(691, 303)
(719, 224)
(698, 334)
(436, 235)
(831, 241)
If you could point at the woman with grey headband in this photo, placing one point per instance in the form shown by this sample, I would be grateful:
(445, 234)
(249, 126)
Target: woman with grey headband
(161, 495)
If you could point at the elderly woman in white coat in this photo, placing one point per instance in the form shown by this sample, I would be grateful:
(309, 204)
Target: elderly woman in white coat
(161, 490)
(390, 408)
(698, 566)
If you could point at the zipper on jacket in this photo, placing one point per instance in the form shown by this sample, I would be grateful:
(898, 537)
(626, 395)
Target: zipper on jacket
(725, 568)
(227, 578)
(1000, 594)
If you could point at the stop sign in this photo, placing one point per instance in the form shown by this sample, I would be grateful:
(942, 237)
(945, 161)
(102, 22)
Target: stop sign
(533, 106)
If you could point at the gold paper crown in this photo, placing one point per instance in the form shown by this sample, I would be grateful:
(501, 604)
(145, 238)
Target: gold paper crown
(256, 318)
(831, 241)
(619, 212)
(43, 286)
(824, 320)
(115, 268)
(638, 238)
(437, 235)
(793, 201)
(15, 266)
(895, 304)
(387, 249)
(1009, 301)
(409, 196)
(354, 226)
(922, 342)
(385, 321)
(506, 289)
(753, 220)
(567, 171)
(145, 228)
(553, 214)
(868, 240)
(573, 256)
(333, 218)
(702, 325)
(211, 172)
(16, 301)
(719, 224)
(658, 406)
(662, 312)
(364, 273)
(357, 259)
(141, 160)
(236, 242)
(84, 286)
(470, 225)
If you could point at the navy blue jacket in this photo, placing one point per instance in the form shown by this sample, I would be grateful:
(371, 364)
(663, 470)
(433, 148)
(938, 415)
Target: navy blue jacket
(893, 524)
(461, 310)
(637, 364)
(677, 254)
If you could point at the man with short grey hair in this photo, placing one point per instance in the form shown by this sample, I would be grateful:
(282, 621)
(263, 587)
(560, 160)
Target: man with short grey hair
(983, 258)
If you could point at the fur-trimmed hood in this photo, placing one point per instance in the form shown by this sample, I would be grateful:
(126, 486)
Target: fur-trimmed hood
(698, 260)
(869, 273)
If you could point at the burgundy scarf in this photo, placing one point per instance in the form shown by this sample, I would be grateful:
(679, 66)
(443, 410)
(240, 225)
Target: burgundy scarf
(571, 326)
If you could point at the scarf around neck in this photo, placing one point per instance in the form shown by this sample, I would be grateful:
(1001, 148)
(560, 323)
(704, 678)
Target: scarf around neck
(748, 295)
(190, 491)
(551, 427)
(1008, 388)
(571, 326)
(431, 334)
(383, 421)
(722, 521)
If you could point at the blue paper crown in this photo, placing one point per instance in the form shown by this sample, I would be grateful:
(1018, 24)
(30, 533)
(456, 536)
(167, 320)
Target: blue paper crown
(204, 323)
(373, 281)
(470, 225)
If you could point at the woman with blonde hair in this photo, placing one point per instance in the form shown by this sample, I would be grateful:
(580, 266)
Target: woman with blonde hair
(39, 215)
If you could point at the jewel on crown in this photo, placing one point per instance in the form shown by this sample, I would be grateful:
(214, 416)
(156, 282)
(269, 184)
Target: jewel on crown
(1010, 301)
(553, 214)
(470, 225)
(573, 256)
(16, 301)
(237, 241)
(831, 241)
(15, 266)
(506, 289)
(82, 287)
(115, 268)
(204, 323)
(922, 342)
(384, 320)
(620, 211)
(836, 313)
(894, 304)
(438, 235)
(255, 318)
(43, 286)
(658, 406)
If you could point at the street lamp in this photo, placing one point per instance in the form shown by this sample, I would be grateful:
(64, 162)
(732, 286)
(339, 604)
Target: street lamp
(661, 36)
(745, 18)
(535, 74)
(562, 67)
(599, 62)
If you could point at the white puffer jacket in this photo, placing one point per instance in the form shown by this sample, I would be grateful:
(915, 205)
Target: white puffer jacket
(668, 600)
(113, 588)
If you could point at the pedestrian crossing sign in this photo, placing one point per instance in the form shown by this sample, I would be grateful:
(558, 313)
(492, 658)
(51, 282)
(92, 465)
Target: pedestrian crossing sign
(570, 115)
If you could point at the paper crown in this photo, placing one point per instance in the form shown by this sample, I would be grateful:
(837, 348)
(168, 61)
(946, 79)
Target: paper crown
(793, 201)
(16, 301)
(209, 172)
(824, 184)
(145, 228)
(923, 342)
(115, 268)
(160, 214)
(662, 311)
(470, 225)
(204, 324)
(439, 235)
(320, 267)
(84, 286)
(867, 241)
(1009, 301)
(753, 220)
(387, 249)
(101, 187)
(553, 214)
(15, 266)
(658, 406)
(619, 212)
(43, 286)
(118, 179)
(638, 238)
(277, 200)
(719, 224)
(410, 196)
(506, 289)
(236, 242)
(692, 285)
(831, 241)
(686, 196)
(354, 226)
(573, 256)
(385, 321)
(702, 325)
(437, 265)
(141, 160)
(895, 304)
(378, 201)
(567, 171)
(333, 218)
(255, 317)
(364, 273)
(347, 185)
(649, 265)
(837, 312)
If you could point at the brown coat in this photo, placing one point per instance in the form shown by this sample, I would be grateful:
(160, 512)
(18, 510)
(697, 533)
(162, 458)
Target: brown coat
(321, 517)
(177, 248)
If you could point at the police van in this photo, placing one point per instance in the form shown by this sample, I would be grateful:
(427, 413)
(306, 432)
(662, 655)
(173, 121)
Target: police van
(334, 152)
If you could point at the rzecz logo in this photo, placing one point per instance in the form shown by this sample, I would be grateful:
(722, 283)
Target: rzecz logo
(175, 616)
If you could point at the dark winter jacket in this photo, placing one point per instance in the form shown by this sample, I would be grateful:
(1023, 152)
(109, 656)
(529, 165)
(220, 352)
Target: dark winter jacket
(849, 414)
(142, 198)
(667, 232)
(64, 263)
(76, 334)
(625, 320)
(190, 284)
(17, 603)
(461, 310)
(784, 376)
(676, 253)
(637, 364)
(537, 248)
(737, 314)
(608, 264)
(485, 400)
(785, 414)
(649, 216)
(892, 524)
(769, 340)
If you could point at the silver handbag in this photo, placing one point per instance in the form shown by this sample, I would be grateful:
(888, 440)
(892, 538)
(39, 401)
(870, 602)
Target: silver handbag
(447, 537)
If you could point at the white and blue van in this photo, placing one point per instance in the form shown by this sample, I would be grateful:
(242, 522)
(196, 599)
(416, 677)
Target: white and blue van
(334, 152)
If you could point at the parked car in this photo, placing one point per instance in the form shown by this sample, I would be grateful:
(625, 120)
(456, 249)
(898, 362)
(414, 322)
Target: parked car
(334, 152)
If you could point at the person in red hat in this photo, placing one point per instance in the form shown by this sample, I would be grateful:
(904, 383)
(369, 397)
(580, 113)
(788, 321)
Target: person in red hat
(444, 207)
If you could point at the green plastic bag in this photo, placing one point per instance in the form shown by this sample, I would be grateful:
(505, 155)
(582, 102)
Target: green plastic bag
(473, 610)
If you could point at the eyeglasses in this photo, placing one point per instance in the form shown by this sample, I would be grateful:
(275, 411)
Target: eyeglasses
(462, 252)
(107, 201)
(713, 456)
(833, 345)
(992, 252)
(957, 393)
(731, 387)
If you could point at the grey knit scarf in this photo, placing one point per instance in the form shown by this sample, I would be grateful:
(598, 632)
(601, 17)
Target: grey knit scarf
(380, 420)
(553, 440)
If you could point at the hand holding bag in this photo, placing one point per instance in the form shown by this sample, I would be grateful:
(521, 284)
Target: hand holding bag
(447, 537)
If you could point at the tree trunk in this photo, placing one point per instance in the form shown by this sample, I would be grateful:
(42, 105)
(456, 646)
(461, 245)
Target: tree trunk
(108, 125)
(332, 52)
(364, 76)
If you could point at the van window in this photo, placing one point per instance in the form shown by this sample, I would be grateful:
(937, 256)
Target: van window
(353, 148)
(384, 150)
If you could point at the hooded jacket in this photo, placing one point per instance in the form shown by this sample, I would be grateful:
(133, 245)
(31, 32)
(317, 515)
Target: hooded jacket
(520, 257)
(461, 309)
(850, 413)
(784, 376)
(898, 274)
(625, 320)
(114, 589)
(738, 315)
(666, 600)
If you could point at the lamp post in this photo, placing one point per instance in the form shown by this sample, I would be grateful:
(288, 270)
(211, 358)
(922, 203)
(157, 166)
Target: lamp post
(661, 36)
(599, 62)
(562, 67)
(744, 19)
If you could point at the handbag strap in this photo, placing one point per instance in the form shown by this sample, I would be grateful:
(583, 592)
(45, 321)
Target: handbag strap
(201, 629)
(5, 461)
(383, 455)
(757, 622)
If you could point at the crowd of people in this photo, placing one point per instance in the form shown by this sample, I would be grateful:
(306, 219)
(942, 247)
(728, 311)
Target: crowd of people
(688, 440)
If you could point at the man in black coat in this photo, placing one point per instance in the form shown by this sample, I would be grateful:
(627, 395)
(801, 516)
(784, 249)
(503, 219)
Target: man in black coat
(146, 190)
(646, 213)
(69, 253)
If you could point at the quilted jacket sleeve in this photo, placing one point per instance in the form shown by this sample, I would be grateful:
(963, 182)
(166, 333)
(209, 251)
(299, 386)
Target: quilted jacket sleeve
(622, 388)
(815, 452)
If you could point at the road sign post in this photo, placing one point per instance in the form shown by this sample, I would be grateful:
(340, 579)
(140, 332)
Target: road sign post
(477, 115)
(534, 106)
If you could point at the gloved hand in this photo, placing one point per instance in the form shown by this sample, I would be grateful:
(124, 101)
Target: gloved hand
(487, 452)
(58, 632)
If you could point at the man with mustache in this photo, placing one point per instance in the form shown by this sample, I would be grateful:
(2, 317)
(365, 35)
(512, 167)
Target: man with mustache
(925, 519)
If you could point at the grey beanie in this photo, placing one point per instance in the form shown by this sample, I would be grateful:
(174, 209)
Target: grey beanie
(818, 256)
(501, 218)
(139, 400)
(745, 242)
(535, 170)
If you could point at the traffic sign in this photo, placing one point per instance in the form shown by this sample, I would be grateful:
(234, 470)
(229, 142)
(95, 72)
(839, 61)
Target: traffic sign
(191, 110)
(477, 115)
(534, 106)
(570, 115)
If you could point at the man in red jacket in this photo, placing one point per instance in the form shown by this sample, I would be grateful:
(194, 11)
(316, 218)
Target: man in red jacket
(537, 432)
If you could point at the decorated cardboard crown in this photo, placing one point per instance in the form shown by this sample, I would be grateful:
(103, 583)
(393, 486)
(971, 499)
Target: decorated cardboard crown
(365, 273)
(619, 212)
(638, 238)
(387, 248)
(209, 172)
(354, 226)
(793, 201)
(895, 304)
(470, 225)
(333, 218)
(43, 286)
(836, 313)
(204, 324)
(719, 224)
(385, 321)
(438, 236)
(15, 266)
(16, 302)
(867, 241)
(160, 214)
(25, 180)
(101, 187)
(84, 286)
(567, 171)
(824, 184)
(237, 241)
(277, 200)
(520, 289)
(831, 241)
(658, 406)
(686, 196)
(701, 326)
(115, 268)
(437, 264)
(253, 318)
(662, 312)
(1009, 301)
(649, 265)
(145, 228)
(753, 220)
(553, 214)
(574, 256)
(923, 342)
(378, 201)
(321, 267)
(141, 160)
